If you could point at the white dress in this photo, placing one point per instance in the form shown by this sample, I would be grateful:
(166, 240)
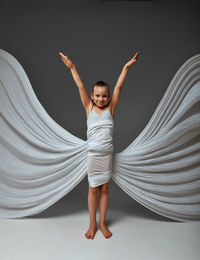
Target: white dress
(100, 147)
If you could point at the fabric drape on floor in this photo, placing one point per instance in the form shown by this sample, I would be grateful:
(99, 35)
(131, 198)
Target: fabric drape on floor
(40, 161)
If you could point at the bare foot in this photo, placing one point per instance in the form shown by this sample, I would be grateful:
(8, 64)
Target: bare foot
(91, 232)
(105, 231)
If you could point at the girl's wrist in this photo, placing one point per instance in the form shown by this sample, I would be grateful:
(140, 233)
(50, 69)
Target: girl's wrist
(125, 67)
(73, 67)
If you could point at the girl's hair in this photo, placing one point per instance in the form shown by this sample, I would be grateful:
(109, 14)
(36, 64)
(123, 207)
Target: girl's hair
(101, 84)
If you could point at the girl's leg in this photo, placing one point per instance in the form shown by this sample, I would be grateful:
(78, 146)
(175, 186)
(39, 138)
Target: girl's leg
(103, 205)
(92, 206)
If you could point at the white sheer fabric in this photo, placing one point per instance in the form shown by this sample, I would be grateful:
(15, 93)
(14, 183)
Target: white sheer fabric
(40, 161)
(99, 169)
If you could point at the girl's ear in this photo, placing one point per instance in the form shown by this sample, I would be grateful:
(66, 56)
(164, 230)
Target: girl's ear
(92, 97)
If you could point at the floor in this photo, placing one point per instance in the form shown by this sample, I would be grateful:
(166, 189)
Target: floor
(58, 233)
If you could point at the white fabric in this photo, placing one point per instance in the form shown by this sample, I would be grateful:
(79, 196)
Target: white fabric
(100, 147)
(100, 133)
(40, 161)
(99, 169)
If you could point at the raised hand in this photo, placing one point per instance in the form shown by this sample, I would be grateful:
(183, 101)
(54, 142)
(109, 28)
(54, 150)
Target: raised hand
(132, 61)
(66, 60)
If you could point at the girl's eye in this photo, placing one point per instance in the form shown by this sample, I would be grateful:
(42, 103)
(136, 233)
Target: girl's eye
(104, 96)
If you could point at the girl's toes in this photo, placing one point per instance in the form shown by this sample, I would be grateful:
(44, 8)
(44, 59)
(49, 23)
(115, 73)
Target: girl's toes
(108, 234)
(90, 234)
(87, 234)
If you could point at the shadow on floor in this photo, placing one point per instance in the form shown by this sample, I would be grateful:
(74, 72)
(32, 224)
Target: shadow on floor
(120, 205)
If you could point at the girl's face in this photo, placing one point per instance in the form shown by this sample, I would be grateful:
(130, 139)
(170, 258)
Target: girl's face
(100, 96)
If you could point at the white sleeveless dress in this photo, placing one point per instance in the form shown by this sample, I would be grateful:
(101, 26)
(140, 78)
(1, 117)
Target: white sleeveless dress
(99, 147)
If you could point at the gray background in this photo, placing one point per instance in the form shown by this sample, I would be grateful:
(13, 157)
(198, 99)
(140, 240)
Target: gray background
(100, 37)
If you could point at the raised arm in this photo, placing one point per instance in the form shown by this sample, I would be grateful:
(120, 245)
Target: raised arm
(117, 90)
(82, 91)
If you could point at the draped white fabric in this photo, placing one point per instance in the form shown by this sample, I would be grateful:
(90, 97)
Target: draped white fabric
(100, 133)
(40, 161)
(100, 147)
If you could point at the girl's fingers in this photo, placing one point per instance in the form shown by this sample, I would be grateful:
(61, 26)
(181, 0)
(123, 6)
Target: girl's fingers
(136, 55)
(62, 55)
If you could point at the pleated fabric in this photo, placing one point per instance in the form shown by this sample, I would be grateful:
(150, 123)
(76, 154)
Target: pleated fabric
(40, 162)
(161, 168)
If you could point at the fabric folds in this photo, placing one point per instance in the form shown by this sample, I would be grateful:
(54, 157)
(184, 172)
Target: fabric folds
(40, 162)
(161, 168)
(100, 147)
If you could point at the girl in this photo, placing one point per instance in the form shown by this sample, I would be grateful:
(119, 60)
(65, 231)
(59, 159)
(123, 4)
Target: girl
(100, 113)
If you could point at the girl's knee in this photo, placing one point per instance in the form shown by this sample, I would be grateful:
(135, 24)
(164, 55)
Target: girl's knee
(93, 190)
(104, 188)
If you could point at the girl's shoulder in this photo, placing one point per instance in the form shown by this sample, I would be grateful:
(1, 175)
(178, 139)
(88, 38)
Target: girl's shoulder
(91, 104)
